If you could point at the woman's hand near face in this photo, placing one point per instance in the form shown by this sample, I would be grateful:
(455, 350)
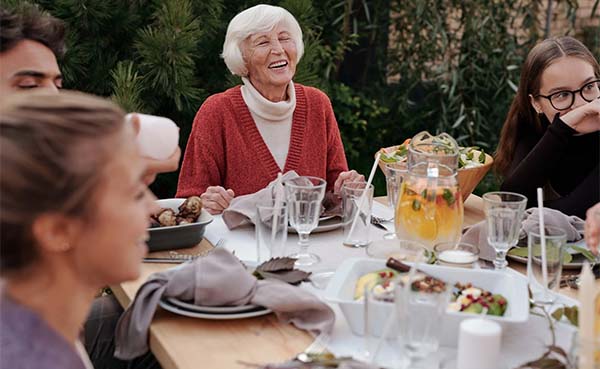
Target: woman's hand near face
(584, 119)
(592, 228)
(216, 199)
(154, 167)
(349, 176)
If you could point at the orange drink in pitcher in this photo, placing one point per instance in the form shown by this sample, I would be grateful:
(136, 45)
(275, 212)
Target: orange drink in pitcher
(430, 206)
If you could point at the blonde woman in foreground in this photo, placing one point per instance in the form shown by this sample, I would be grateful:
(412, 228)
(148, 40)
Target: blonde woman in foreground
(74, 214)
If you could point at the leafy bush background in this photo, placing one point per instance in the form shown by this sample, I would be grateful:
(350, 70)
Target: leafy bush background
(448, 65)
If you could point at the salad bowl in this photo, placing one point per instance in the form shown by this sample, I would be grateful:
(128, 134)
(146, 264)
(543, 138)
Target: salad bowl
(473, 165)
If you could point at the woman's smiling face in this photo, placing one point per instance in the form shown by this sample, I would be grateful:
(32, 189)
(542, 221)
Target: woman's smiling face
(565, 74)
(270, 58)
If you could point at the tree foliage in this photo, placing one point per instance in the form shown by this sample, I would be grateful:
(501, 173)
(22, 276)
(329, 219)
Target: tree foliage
(391, 67)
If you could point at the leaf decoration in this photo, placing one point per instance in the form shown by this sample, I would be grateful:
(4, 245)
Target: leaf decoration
(281, 269)
(544, 363)
(569, 312)
(585, 252)
(277, 264)
(289, 276)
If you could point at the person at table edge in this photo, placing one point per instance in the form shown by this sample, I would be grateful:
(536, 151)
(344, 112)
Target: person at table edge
(243, 137)
(551, 136)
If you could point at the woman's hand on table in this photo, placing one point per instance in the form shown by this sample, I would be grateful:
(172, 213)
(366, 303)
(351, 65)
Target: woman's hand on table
(349, 176)
(592, 228)
(216, 199)
(585, 118)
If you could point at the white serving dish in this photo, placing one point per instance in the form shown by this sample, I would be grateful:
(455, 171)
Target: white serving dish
(510, 284)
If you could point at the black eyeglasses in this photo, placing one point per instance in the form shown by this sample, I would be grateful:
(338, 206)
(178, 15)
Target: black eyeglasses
(563, 100)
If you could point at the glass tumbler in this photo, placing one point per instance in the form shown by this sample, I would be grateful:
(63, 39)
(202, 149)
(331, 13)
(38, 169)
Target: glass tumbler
(544, 270)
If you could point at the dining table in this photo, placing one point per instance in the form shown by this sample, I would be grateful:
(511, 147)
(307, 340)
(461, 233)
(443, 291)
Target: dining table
(180, 342)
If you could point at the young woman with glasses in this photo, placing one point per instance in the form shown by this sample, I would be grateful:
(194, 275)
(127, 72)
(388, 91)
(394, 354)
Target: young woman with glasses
(551, 136)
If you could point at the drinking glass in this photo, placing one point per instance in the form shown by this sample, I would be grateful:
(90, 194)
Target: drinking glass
(356, 231)
(419, 315)
(394, 175)
(304, 197)
(556, 239)
(271, 231)
(503, 213)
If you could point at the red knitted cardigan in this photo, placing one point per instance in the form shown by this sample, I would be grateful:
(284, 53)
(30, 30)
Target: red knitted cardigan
(226, 149)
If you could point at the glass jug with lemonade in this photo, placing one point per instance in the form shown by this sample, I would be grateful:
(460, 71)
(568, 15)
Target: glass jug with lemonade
(430, 206)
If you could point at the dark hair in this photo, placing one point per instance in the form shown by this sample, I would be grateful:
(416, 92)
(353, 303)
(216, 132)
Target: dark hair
(521, 115)
(53, 151)
(28, 22)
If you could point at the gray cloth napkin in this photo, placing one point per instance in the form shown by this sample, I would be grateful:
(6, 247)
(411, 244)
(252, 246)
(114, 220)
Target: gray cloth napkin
(218, 279)
(242, 209)
(572, 225)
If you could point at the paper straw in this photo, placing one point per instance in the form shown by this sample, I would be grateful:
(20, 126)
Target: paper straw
(540, 199)
(365, 192)
(276, 208)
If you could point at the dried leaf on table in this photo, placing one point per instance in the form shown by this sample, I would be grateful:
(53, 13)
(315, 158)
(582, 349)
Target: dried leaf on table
(544, 363)
(290, 276)
(277, 264)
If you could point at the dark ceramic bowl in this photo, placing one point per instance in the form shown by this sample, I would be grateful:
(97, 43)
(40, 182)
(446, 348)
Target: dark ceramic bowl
(180, 236)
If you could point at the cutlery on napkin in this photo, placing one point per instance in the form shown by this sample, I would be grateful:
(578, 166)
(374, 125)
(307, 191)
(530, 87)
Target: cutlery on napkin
(219, 279)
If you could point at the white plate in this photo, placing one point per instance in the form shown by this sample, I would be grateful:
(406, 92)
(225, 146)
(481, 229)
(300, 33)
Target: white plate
(326, 224)
(180, 311)
(211, 309)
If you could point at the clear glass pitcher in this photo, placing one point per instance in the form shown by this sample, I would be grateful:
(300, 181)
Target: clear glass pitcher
(430, 206)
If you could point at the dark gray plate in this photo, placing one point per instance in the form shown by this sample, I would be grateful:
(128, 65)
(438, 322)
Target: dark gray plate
(181, 236)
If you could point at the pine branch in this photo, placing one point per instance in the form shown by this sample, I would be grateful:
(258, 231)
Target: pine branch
(128, 87)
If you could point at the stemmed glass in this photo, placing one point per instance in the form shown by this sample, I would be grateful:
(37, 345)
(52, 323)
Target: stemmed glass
(503, 213)
(304, 197)
(393, 179)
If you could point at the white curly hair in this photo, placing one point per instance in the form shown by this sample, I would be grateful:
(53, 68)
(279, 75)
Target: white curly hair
(257, 19)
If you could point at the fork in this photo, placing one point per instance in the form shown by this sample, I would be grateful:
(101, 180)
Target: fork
(317, 348)
(380, 219)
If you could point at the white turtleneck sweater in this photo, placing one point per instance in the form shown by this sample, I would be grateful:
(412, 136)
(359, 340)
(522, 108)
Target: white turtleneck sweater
(273, 119)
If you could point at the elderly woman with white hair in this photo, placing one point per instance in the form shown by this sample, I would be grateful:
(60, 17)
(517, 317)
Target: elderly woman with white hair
(243, 137)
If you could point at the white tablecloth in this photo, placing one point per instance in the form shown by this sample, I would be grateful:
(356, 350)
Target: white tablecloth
(520, 343)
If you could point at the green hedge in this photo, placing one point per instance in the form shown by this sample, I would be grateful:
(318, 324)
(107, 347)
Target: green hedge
(452, 65)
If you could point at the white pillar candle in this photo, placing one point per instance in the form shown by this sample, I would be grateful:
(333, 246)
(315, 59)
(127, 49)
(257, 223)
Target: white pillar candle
(158, 137)
(587, 301)
(478, 344)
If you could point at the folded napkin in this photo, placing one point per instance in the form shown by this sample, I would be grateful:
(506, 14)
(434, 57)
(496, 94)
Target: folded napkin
(572, 225)
(218, 279)
(242, 209)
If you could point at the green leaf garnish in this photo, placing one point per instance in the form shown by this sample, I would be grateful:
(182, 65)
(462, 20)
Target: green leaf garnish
(448, 196)
(416, 205)
(585, 252)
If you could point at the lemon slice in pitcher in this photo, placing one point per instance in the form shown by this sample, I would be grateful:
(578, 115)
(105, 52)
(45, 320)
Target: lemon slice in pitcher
(414, 219)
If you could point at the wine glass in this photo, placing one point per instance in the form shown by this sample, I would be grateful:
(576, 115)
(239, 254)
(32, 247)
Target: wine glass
(304, 197)
(393, 179)
(503, 214)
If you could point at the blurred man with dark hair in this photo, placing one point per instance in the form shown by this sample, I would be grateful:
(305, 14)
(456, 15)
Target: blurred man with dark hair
(30, 43)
